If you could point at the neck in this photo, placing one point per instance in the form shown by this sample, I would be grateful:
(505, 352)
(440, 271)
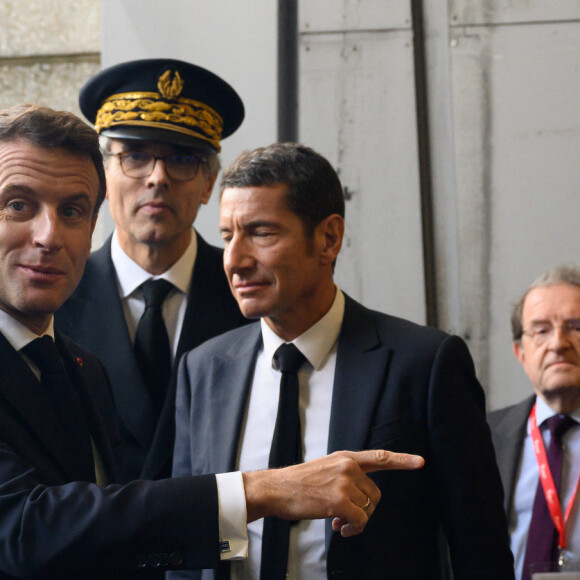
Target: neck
(153, 257)
(38, 323)
(563, 403)
(291, 324)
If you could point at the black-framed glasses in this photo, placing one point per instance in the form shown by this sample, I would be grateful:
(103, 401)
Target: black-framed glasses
(139, 164)
(540, 333)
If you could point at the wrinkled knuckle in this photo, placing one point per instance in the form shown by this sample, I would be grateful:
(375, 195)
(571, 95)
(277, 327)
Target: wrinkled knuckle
(380, 455)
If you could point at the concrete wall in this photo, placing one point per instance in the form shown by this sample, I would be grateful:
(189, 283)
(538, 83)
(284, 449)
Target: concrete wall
(357, 107)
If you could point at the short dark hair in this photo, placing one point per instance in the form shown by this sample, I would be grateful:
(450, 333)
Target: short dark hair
(313, 191)
(569, 275)
(48, 128)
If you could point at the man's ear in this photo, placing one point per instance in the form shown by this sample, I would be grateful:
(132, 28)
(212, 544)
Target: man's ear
(519, 351)
(206, 194)
(330, 232)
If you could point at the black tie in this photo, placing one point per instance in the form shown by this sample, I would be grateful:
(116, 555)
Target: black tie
(542, 544)
(65, 401)
(286, 450)
(152, 342)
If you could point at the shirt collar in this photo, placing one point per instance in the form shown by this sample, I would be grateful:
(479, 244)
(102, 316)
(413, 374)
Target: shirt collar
(130, 275)
(317, 342)
(544, 411)
(19, 335)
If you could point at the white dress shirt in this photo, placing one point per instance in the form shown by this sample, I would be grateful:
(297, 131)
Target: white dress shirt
(307, 553)
(527, 481)
(19, 335)
(130, 277)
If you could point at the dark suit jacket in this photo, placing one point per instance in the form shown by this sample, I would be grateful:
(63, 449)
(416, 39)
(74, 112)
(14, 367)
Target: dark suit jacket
(508, 431)
(93, 317)
(55, 527)
(397, 386)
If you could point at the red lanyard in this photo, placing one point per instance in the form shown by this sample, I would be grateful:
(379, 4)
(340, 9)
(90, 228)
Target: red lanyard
(547, 480)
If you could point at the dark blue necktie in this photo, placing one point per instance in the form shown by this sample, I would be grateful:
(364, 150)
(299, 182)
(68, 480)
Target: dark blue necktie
(542, 544)
(286, 450)
(55, 382)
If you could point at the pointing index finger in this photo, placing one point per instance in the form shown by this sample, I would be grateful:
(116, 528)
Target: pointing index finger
(378, 459)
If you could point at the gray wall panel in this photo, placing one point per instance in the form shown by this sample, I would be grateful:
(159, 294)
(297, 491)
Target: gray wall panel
(353, 15)
(470, 12)
(357, 107)
(517, 136)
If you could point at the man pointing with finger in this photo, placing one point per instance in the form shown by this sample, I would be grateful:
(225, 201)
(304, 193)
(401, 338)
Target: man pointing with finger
(63, 513)
(320, 372)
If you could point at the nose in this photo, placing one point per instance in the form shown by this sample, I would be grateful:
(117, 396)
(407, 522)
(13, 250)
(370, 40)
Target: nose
(237, 255)
(47, 232)
(158, 177)
(559, 339)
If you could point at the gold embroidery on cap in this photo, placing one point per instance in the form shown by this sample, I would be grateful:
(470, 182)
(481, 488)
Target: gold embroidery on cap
(148, 109)
(170, 88)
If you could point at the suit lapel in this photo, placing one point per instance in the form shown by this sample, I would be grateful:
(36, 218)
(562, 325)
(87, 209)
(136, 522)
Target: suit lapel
(22, 392)
(132, 399)
(509, 433)
(83, 383)
(233, 373)
(361, 360)
(235, 370)
(210, 301)
(198, 311)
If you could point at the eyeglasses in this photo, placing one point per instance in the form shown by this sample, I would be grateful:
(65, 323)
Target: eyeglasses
(139, 164)
(541, 333)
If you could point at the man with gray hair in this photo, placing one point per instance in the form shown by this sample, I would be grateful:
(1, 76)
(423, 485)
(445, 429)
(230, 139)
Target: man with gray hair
(537, 441)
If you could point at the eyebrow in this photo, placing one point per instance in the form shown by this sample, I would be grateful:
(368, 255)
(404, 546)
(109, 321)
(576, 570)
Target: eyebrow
(16, 188)
(548, 321)
(78, 197)
(255, 224)
(144, 147)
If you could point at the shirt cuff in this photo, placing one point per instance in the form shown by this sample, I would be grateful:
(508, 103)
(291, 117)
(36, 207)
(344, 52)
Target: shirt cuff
(232, 516)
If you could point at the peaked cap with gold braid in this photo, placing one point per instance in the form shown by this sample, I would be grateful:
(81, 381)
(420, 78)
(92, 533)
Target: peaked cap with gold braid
(162, 100)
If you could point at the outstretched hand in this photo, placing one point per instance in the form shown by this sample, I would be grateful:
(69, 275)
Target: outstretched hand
(332, 486)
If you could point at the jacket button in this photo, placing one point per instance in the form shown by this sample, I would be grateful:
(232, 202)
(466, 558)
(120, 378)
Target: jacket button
(154, 560)
(141, 560)
(176, 558)
(164, 559)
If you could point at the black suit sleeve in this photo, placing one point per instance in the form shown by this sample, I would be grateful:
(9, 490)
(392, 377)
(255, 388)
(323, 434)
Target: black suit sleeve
(52, 526)
(465, 470)
(79, 530)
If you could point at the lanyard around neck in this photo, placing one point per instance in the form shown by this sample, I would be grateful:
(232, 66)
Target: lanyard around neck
(550, 492)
